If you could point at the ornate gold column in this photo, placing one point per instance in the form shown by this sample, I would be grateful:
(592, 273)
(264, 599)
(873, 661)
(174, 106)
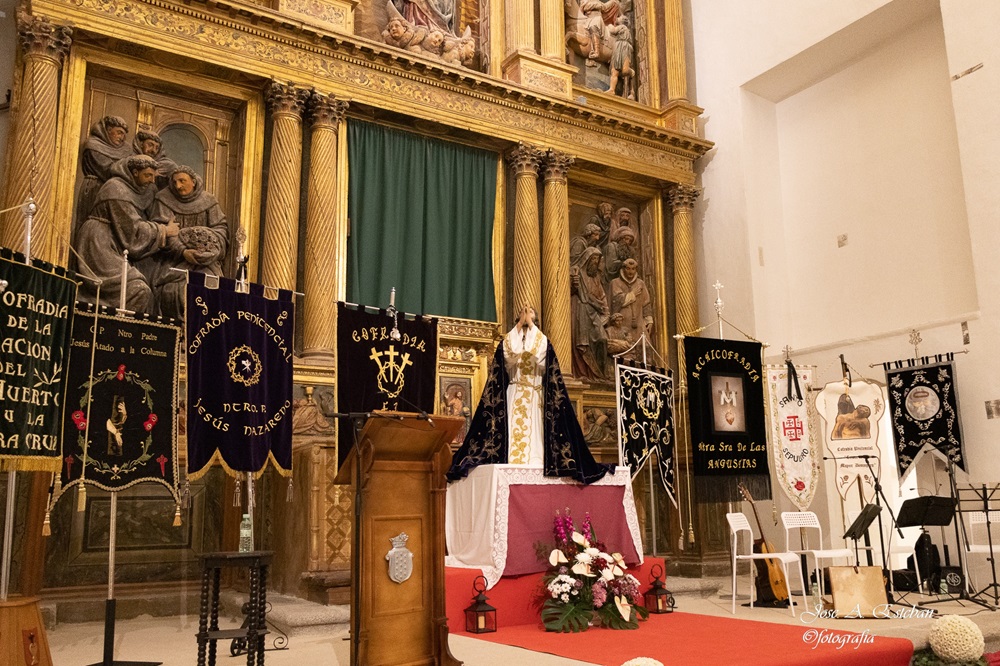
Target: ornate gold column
(555, 256)
(281, 215)
(682, 198)
(33, 135)
(319, 337)
(527, 269)
(522, 63)
(678, 113)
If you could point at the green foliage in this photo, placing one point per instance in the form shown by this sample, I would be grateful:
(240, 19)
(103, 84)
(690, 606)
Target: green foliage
(927, 657)
(557, 616)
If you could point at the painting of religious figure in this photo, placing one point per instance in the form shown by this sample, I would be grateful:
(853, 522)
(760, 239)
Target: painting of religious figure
(154, 181)
(611, 307)
(851, 422)
(456, 400)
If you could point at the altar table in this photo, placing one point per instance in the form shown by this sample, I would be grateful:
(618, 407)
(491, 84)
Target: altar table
(495, 517)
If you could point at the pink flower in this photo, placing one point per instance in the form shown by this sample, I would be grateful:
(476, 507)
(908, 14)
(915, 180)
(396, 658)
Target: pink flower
(600, 594)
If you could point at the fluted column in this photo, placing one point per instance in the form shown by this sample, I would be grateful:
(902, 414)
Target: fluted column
(527, 268)
(553, 27)
(676, 57)
(555, 256)
(682, 198)
(520, 25)
(320, 271)
(33, 136)
(284, 181)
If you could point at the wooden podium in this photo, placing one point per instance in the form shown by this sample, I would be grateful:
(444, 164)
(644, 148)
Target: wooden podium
(398, 472)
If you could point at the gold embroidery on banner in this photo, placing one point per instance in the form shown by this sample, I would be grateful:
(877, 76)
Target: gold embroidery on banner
(526, 388)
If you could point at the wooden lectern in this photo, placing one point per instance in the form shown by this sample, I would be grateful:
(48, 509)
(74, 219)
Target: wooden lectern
(398, 471)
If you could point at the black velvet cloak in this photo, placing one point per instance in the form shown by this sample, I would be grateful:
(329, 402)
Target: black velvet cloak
(566, 453)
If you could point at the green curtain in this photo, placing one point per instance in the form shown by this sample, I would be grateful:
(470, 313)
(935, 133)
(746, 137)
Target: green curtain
(421, 214)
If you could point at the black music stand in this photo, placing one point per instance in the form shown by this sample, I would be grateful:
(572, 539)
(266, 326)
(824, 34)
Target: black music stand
(993, 589)
(923, 512)
(860, 526)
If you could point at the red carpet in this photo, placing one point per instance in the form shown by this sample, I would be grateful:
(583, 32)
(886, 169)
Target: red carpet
(675, 639)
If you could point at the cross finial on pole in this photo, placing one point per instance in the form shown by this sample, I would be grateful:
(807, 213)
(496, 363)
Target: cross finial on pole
(719, 306)
(915, 340)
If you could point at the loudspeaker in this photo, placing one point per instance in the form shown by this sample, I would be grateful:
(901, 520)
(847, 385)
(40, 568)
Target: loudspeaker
(905, 580)
(953, 579)
(857, 591)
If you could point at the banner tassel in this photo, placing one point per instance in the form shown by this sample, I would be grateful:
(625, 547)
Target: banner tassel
(186, 495)
(288, 492)
(81, 498)
(238, 494)
(177, 516)
(46, 525)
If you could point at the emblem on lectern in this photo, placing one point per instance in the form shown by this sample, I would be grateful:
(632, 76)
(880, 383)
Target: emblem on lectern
(400, 559)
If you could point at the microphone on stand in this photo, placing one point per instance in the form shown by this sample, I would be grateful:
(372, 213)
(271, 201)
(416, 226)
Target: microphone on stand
(421, 413)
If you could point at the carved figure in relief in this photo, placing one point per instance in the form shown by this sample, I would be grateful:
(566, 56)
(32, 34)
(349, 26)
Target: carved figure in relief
(622, 56)
(102, 149)
(426, 27)
(149, 143)
(589, 236)
(630, 297)
(200, 244)
(619, 250)
(602, 218)
(119, 221)
(588, 25)
(597, 427)
(589, 306)
(622, 218)
(619, 337)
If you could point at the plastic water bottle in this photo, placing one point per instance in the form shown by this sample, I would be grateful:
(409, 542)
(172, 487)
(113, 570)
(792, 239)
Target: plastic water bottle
(246, 534)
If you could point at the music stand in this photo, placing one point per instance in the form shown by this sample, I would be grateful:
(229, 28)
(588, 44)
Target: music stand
(923, 511)
(860, 526)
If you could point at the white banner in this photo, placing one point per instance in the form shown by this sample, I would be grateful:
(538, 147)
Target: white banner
(850, 429)
(795, 446)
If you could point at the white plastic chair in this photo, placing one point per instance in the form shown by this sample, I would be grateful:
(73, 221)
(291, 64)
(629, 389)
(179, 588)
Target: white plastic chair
(977, 540)
(739, 523)
(808, 520)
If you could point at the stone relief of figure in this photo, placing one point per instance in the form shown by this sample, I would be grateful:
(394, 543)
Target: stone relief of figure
(597, 427)
(630, 297)
(426, 27)
(589, 307)
(200, 245)
(602, 218)
(149, 143)
(622, 218)
(120, 221)
(589, 237)
(619, 250)
(620, 339)
(102, 149)
(622, 56)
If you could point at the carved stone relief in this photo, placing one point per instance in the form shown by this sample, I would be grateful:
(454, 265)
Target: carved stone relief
(425, 27)
(600, 41)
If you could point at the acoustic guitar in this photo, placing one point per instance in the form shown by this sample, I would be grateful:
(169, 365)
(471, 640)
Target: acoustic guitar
(770, 578)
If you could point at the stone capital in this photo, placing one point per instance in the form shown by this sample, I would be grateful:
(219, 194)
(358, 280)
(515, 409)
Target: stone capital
(557, 165)
(40, 38)
(682, 197)
(525, 159)
(286, 99)
(325, 110)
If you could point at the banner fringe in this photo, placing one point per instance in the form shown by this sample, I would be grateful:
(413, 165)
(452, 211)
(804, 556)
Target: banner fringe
(726, 488)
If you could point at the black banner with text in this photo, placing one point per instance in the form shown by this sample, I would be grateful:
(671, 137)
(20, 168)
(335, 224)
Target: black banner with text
(128, 432)
(374, 371)
(36, 313)
(728, 426)
(239, 384)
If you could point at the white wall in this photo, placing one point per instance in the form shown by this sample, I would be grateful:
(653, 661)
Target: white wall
(841, 116)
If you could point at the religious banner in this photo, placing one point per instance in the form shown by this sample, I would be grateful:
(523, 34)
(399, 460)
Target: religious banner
(850, 428)
(239, 383)
(645, 420)
(379, 367)
(726, 411)
(795, 445)
(923, 404)
(36, 315)
(122, 403)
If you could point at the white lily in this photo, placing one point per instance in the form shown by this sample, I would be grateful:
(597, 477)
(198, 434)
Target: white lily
(623, 607)
(580, 539)
(556, 558)
(607, 574)
(619, 560)
(582, 569)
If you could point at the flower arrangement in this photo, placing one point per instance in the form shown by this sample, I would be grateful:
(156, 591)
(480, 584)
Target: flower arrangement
(953, 640)
(585, 584)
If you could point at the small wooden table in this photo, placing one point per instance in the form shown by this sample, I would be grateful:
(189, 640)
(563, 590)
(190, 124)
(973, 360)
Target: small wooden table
(257, 563)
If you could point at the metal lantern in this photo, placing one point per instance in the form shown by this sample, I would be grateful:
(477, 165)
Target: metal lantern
(658, 599)
(480, 617)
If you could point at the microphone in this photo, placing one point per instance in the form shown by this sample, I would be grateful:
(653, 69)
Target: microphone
(421, 413)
